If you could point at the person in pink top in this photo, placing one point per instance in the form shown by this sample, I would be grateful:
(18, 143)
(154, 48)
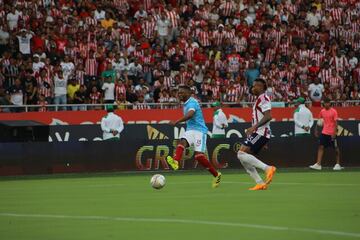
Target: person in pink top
(328, 117)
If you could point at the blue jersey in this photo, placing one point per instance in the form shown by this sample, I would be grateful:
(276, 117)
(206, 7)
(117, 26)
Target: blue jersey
(197, 121)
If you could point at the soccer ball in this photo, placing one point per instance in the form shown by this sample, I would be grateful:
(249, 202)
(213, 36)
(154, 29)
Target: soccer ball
(157, 181)
(320, 122)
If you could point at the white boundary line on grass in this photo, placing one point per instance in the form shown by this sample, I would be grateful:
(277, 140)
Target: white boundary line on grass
(276, 183)
(183, 221)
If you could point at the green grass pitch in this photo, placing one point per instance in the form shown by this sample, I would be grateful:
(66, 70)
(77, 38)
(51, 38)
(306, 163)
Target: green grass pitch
(298, 205)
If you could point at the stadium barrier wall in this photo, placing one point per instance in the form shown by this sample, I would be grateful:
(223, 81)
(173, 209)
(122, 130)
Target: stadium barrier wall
(146, 155)
(74, 133)
(153, 116)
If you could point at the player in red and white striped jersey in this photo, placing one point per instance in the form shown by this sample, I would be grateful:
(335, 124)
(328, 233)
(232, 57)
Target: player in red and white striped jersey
(258, 136)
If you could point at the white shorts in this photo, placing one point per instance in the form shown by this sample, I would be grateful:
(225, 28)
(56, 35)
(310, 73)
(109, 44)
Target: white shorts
(196, 139)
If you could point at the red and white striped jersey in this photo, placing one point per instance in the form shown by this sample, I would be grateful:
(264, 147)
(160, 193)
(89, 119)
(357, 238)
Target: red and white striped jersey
(120, 89)
(270, 55)
(319, 57)
(218, 37)
(146, 61)
(91, 66)
(147, 4)
(340, 63)
(215, 91)
(227, 8)
(189, 53)
(336, 82)
(79, 75)
(328, 3)
(243, 90)
(261, 105)
(232, 95)
(169, 82)
(184, 77)
(125, 39)
(173, 17)
(336, 13)
(284, 48)
(149, 28)
(325, 75)
(240, 44)
(277, 35)
(95, 97)
(230, 35)
(90, 21)
(256, 35)
(204, 38)
(45, 86)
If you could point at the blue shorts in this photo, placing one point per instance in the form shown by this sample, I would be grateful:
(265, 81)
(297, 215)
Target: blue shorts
(327, 141)
(256, 142)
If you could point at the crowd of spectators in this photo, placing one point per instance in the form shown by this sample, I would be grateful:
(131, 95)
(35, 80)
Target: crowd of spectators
(140, 51)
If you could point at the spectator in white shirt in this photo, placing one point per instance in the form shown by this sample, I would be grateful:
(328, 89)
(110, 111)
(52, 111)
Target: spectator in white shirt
(134, 70)
(37, 64)
(24, 41)
(99, 14)
(67, 67)
(111, 125)
(163, 26)
(313, 18)
(141, 13)
(13, 18)
(60, 89)
(109, 90)
(316, 90)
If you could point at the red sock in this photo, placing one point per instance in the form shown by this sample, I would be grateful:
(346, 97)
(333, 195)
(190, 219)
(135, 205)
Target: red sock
(201, 158)
(179, 152)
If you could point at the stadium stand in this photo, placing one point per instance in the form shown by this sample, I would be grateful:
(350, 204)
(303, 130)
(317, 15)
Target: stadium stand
(135, 52)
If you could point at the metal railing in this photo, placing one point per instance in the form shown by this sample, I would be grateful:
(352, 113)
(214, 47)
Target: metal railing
(142, 106)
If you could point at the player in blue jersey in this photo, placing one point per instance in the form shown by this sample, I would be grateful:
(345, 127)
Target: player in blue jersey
(195, 134)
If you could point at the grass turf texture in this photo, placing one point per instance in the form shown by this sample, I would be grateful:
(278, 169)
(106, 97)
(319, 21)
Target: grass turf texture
(298, 205)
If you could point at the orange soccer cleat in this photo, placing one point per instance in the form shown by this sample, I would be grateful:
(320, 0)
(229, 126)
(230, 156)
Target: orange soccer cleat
(262, 186)
(270, 174)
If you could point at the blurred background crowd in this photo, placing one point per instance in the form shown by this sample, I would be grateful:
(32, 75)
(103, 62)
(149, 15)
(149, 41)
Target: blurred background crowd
(134, 52)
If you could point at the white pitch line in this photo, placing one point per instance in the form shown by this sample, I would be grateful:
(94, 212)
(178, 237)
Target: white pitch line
(275, 183)
(184, 221)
